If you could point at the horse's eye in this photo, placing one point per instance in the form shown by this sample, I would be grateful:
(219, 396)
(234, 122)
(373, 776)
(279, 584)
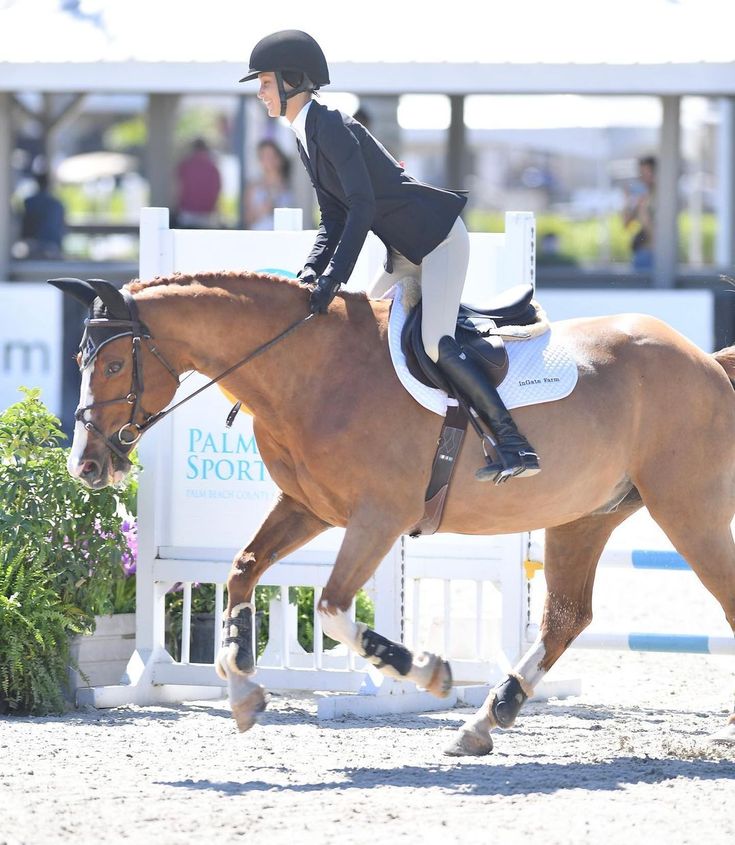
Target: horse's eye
(113, 367)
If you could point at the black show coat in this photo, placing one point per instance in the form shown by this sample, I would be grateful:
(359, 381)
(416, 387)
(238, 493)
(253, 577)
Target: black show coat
(360, 187)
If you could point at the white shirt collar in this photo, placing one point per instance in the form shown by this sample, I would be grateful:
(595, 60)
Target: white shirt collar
(299, 125)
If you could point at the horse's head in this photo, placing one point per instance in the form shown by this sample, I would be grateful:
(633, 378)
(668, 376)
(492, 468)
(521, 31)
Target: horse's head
(115, 351)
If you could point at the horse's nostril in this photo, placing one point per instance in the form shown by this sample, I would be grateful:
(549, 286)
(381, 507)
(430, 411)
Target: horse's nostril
(90, 469)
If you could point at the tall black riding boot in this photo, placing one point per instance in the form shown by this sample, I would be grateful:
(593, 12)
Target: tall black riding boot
(514, 451)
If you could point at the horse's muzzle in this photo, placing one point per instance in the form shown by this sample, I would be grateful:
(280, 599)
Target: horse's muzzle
(98, 471)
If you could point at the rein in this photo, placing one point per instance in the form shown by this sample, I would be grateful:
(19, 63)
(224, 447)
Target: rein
(130, 433)
(152, 420)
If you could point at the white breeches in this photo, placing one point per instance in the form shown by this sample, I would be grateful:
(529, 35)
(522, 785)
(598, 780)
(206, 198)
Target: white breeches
(442, 275)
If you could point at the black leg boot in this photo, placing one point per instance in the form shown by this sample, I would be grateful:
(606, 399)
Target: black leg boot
(517, 457)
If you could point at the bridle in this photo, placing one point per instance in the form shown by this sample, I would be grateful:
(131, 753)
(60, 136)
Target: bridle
(122, 442)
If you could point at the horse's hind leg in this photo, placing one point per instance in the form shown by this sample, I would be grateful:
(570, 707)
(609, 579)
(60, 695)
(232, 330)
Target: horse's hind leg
(363, 547)
(701, 533)
(570, 559)
(287, 527)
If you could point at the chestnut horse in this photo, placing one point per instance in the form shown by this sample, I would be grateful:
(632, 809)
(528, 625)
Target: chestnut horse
(651, 422)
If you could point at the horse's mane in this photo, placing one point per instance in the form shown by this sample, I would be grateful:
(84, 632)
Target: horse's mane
(208, 279)
(231, 278)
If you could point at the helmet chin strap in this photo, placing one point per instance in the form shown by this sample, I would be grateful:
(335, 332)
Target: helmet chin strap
(284, 96)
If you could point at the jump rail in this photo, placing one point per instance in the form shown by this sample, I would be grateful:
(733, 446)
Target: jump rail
(660, 560)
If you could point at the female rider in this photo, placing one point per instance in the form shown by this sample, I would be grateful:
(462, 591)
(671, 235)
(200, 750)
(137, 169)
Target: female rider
(360, 187)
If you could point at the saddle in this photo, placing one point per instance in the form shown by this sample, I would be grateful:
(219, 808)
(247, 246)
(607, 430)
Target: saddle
(479, 332)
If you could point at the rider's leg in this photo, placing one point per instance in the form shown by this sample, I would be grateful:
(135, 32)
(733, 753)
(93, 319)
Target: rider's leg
(443, 273)
(516, 455)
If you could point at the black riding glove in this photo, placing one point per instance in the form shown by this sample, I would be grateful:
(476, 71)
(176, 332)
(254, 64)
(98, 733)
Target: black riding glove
(306, 277)
(322, 294)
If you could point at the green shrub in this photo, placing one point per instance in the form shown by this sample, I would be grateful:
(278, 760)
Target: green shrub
(61, 547)
(582, 240)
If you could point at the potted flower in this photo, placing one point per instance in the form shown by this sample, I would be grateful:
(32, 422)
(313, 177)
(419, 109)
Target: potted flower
(100, 656)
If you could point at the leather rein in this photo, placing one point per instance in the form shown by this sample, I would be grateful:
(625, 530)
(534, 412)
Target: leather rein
(122, 442)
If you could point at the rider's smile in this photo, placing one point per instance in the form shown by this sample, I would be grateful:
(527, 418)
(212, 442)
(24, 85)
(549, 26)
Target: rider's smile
(267, 96)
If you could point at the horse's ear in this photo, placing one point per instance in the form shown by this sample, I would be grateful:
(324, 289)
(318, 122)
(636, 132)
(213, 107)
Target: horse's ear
(111, 298)
(77, 288)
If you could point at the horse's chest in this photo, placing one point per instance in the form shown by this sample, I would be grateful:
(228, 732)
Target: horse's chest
(301, 481)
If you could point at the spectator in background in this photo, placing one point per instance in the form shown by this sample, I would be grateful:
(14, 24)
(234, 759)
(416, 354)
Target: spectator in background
(199, 186)
(271, 190)
(42, 226)
(639, 208)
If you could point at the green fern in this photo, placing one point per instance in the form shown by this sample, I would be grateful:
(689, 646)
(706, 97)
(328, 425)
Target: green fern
(35, 628)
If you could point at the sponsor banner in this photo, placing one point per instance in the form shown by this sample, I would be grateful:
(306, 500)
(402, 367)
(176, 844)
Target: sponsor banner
(219, 487)
(30, 342)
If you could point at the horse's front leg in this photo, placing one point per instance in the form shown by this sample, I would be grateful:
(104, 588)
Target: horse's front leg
(288, 526)
(367, 540)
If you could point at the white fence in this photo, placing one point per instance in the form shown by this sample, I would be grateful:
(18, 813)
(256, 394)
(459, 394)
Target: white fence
(204, 490)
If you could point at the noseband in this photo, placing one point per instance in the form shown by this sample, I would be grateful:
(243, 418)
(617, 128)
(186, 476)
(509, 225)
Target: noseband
(112, 328)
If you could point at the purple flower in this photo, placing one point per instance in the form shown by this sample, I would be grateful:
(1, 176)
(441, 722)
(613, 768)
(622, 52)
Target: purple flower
(129, 557)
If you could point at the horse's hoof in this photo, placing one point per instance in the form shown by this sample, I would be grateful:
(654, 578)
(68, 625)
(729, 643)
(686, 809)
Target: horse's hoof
(469, 744)
(726, 735)
(246, 710)
(440, 682)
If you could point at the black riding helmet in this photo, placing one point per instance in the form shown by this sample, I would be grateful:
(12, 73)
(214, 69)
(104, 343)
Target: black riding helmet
(293, 56)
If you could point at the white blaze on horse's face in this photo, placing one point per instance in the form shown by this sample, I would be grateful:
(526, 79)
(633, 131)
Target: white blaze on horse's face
(75, 462)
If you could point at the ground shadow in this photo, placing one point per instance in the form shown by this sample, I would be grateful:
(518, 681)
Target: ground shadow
(488, 777)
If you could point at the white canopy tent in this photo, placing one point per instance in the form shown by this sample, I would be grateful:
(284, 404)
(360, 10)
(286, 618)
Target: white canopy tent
(165, 48)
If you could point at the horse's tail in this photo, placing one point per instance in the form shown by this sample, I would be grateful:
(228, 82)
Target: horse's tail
(726, 359)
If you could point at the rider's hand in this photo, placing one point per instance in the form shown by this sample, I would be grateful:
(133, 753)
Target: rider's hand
(306, 277)
(322, 294)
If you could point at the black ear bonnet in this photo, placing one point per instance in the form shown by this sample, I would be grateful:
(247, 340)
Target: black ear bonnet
(112, 314)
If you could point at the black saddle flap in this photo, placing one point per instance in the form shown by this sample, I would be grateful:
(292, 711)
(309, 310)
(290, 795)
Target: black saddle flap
(488, 351)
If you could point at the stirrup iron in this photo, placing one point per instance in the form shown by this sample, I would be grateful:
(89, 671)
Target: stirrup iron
(500, 469)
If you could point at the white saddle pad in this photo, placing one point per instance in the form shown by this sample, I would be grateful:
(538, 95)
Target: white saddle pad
(540, 369)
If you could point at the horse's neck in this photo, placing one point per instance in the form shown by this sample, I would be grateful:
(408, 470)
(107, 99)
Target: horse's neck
(210, 329)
